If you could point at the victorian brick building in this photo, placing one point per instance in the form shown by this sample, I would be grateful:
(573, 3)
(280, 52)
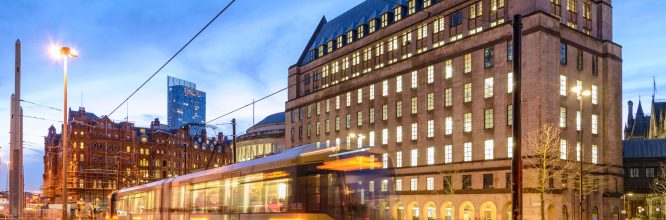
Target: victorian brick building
(106, 156)
(430, 82)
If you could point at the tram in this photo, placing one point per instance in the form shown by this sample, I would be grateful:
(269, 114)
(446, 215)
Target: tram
(306, 182)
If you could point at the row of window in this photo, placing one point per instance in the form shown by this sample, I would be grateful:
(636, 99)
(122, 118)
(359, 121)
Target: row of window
(447, 183)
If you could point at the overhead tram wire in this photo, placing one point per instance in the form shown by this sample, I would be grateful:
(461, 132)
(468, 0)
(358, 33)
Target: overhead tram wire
(172, 57)
(411, 30)
(40, 105)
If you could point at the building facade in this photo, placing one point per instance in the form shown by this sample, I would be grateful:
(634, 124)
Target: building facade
(642, 126)
(262, 139)
(642, 160)
(430, 82)
(185, 104)
(106, 156)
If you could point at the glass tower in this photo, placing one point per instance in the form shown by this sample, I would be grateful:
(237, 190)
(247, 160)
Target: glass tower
(185, 104)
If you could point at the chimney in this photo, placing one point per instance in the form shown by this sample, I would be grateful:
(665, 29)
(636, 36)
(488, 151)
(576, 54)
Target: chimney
(82, 110)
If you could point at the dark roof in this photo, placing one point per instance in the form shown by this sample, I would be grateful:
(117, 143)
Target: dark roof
(354, 17)
(86, 114)
(274, 118)
(644, 148)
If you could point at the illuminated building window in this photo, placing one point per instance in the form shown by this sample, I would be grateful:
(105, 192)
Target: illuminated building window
(431, 128)
(578, 121)
(384, 112)
(348, 99)
(563, 149)
(509, 82)
(595, 95)
(414, 79)
(468, 92)
(488, 88)
(415, 105)
(509, 115)
(372, 92)
(384, 186)
(489, 149)
(476, 10)
(371, 116)
(578, 151)
(337, 123)
(467, 120)
(385, 19)
(359, 119)
(595, 124)
(563, 117)
(385, 160)
(385, 88)
(398, 84)
(468, 63)
(430, 183)
(448, 125)
(348, 121)
(411, 7)
(467, 152)
(448, 69)
(397, 13)
(372, 26)
(509, 147)
(337, 102)
(384, 136)
(398, 185)
(359, 95)
(430, 155)
(431, 74)
(371, 139)
(360, 31)
(448, 153)
(398, 159)
(448, 97)
(414, 131)
(488, 118)
(398, 134)
(398, 109)
(414, 157)
(350, 37)
(595, 154)
(431, 101)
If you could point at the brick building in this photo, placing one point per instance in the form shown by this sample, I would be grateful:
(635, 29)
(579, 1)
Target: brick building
(106, 156)
(429, 81)
(642, 161)
(264, 138)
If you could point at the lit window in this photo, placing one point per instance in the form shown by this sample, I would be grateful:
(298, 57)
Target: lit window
(397, 13)
(371, 114)
(398, 185)
(467, 152)
(422, 31)
(467, 119)
(348, 99)
(448, 153)
(327, 126)
(372, 92)
(563, 117)
(371, 139)
(488, 118)
(426, 3)
(448, 125)
(371, 186)
(337, 123)
(595, 123)
(431, 128)
(384, 112)
(398, 134)
(406, 38)
(372, 25)
(360, 31)
(509, 147)
(340, 41)
(317, 128)
(398, 159)
(398, 109)
(411, 7)
(509, 82)
(448, 97)
(489, 149)
(578, 121)
(414, 105)
(468, 63)
(509, 115)
(337, 102)
(398, 84)
(413, 185)
(385, 88)
(563, 149)
(476, 10)
(359, 119)
(595, 95)
(430, 155)
(384, 136)
(385, 20)
(431, 74)
(384, 185)
(431, 101)
(488, 88)
(414, 79)
(577, 151)
(563, 85)
(359, 95)
(350, 37)
(414, 157)
(448, 69)
(468, 92)
(496, 4)
(348, 121)
(385, 160)
(595, 155)
(415, 131)
(438, 25)
(430, 183)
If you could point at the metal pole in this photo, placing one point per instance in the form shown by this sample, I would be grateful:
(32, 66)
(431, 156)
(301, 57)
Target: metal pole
(517, 161)
(65, 159)
(582, 151)
(233, 140)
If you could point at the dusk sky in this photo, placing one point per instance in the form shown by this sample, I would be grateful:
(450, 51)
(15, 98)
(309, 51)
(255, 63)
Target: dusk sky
(243, 55)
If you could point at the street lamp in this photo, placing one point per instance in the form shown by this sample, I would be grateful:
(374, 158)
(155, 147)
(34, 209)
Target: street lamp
(64, 53)
(580, 93)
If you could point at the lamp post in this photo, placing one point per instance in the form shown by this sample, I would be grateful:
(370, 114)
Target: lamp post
(64, 53)
(578, 90)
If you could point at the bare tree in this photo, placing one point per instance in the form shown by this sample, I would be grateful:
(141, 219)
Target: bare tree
(544, 155)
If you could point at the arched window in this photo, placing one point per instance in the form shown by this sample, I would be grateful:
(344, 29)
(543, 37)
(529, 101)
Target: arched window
(565, 213)
(431, 212)
(595, 213)
(415, 212)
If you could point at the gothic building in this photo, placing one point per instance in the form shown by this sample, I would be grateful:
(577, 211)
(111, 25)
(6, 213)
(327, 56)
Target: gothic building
(641, 126)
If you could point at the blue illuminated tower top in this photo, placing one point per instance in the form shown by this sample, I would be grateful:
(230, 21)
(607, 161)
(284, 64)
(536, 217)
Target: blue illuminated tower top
(185, 104)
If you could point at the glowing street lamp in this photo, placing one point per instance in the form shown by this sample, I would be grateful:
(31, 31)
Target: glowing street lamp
(58, 52)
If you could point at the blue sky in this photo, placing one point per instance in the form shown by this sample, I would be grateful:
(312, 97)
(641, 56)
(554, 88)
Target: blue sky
(245, 54)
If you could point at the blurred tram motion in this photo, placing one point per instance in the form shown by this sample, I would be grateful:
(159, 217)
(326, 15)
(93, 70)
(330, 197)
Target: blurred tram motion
(306, 182)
